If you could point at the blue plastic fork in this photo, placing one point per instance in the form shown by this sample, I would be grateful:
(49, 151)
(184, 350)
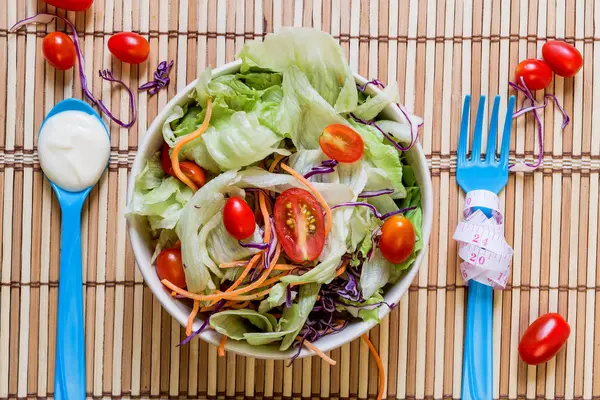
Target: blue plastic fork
(473, 174)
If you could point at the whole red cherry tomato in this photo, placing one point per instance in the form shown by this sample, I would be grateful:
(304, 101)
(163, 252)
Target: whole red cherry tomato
(535, 73)
(71, 5)
(397, 239)
(544, 338)
(238, 218)
(59, 50)
(129, 47)
(169, 265)
(564, 59)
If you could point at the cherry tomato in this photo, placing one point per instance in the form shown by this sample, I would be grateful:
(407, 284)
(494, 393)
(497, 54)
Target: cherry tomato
(194, 172)
(238, 218)
(170, 266)
(59, 50)
(71, 5)
(129, 47)
(341, 143)
(536, 74)
(397, 239)
(544, 338)
(299, 225)
(165, 159)
(190, 169)
(564, 59)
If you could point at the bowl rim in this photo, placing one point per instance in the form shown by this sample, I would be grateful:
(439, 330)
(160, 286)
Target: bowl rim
(150, 143)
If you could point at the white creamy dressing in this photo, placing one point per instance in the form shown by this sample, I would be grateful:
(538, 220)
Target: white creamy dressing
(73, 149)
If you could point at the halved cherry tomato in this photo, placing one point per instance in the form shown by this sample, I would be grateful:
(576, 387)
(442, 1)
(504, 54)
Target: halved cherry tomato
(564, 59)
(341, 143)
(299, 225)
(536, 74)
(129, 47)
(71, 5)
(170, 266)
(238, 218)
(59, 50)
(397, 239)
(190, 169)
(544, 338)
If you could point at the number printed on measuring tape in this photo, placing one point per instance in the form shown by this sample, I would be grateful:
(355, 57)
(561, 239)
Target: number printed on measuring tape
(487, 257)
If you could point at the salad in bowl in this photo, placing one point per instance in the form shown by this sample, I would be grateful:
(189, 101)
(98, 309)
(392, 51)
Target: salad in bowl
(280, 205)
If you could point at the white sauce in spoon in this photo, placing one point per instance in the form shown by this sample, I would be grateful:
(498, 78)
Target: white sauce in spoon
(73, 149)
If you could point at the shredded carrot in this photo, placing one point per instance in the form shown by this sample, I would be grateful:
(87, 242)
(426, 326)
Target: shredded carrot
(173, 293)
(285, 267)
(342, 268)
(241, 278)
(265, 214)
(315, 192)
(273, 280)
(234, 264)
(276, 161)
(318, 352)
(192, 317)
(221, 348)
(233, 295)
(379, 365)
(236, 306)
(185, 140)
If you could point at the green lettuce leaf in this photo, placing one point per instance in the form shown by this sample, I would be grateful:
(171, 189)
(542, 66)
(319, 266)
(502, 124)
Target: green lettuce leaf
(382, 155)
(293, 318)
(361, 310)
(313, 52)
(374, 105)
(304, 113)
(236, 324)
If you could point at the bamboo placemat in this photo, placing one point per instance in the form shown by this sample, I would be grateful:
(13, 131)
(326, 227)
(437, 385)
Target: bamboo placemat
(437, 51)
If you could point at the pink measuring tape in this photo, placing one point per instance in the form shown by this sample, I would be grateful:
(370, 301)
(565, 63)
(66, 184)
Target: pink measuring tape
(487, 257)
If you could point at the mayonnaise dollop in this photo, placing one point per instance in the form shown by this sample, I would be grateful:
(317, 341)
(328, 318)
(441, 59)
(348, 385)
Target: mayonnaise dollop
(73, 149)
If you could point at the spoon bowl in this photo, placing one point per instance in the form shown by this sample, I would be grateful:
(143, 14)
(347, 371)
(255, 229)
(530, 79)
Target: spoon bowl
(70, 345)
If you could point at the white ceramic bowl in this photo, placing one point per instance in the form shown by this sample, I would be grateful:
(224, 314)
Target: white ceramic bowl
(143, 250)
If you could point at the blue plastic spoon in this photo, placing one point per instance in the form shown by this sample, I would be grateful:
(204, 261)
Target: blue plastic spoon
(70, 345)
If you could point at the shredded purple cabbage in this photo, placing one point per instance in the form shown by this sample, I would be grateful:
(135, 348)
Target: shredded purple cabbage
(373, 209)
(326, 167)
(533, 108)
(161, 78)
(375, 193)
(217, 308)
(414, 128)
(46, 18)
(256, 246)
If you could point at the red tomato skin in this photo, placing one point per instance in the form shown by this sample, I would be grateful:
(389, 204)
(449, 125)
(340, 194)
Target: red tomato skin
(564, 59)
(536, 74)
(194, 172)
(342, 143)
(238, 218)
(165, 159)
(71, 5)
(299, 248)
(129, 47)
(543, 339)
(169, 265)
(59, 50)
(397, 239)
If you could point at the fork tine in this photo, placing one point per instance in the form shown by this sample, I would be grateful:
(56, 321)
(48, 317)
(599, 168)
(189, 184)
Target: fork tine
(490, 153)
(506, 133)
(461, 154)
(478, 132)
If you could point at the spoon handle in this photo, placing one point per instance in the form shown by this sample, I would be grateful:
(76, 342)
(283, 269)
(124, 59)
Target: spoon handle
(70, 347)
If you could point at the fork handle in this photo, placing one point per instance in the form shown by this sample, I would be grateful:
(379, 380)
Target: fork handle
(477, 363)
